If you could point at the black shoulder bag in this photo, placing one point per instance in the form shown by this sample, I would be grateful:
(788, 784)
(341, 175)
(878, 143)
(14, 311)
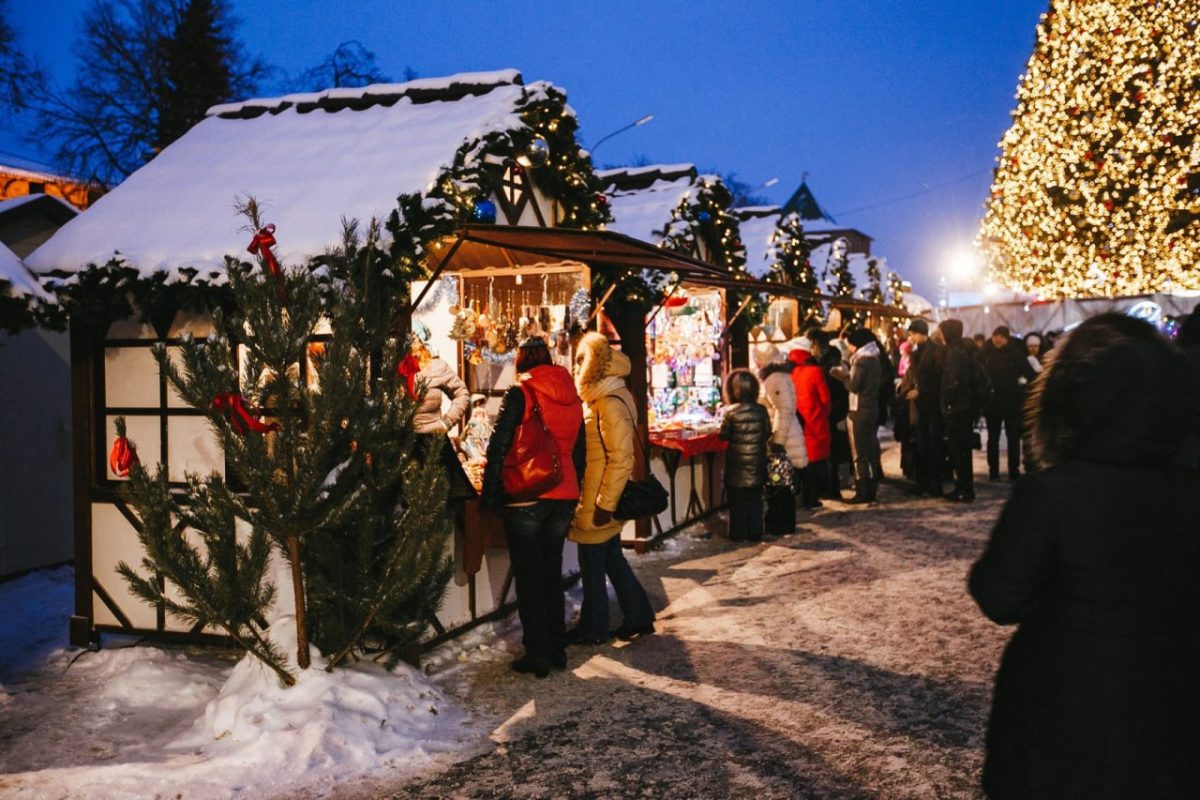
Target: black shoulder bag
(643, 497)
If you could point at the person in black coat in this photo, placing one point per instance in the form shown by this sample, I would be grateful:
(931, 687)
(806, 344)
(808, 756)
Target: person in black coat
(1095, 559)
(839, 408)
(747, 428)
(926, 361)
(960, 407)
(1007, 366)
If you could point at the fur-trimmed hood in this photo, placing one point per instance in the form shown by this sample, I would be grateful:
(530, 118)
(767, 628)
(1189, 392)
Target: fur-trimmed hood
(597, 360)
(775, 367)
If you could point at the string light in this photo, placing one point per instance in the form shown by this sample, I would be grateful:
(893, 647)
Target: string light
(1097, 189)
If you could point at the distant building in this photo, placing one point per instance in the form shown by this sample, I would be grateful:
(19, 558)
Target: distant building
(819, 226)
(19, 178)
(27, 221)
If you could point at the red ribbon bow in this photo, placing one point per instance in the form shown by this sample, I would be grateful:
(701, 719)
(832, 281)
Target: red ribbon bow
(261, 244)
(407, 369)
(123, 457)
(241, 418)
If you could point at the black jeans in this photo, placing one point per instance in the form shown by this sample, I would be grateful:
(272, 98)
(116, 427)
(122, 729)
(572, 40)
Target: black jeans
(596, 562)
(535, 544)
(745, 513)
(959, 430)
(930, 452)
(1012, 435)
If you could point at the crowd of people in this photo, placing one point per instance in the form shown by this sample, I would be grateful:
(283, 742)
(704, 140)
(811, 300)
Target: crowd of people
(1094, 557)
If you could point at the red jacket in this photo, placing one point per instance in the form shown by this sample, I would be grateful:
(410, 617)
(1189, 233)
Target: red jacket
(562, 412)
(812, 403)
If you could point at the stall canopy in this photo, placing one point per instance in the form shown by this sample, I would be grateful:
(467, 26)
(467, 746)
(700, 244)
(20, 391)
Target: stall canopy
(483, 246)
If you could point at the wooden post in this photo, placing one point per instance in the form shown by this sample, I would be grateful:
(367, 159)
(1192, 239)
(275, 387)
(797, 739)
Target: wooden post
(83, 432)
(630, 324)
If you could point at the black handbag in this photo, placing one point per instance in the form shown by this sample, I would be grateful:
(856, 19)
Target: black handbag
(643, 497)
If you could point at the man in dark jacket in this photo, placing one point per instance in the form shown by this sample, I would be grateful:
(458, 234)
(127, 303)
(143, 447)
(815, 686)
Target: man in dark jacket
(927, 358)
(960, 407)
(862, 380)
(1008, 369)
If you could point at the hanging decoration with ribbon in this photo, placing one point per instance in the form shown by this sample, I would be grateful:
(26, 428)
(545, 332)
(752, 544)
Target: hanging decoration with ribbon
(242, 418)
(123, 457)
(407, 369)
(261, 246)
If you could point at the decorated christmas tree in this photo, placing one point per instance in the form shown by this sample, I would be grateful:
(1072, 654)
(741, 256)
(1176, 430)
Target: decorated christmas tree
(1097, 189)
(308, 388)
(838, 277)
(873, 292)
(895, 291)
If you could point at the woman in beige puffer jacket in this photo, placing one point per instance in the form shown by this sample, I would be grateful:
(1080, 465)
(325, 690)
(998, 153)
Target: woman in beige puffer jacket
(609, 424)
(440, 381)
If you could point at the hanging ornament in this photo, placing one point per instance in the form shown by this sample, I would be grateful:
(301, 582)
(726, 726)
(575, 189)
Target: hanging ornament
(261, 246)
(123, 457)
(579, 308)
(484, 212)
(241, 418)
(704, 217)
(407, 369)
(537, 153)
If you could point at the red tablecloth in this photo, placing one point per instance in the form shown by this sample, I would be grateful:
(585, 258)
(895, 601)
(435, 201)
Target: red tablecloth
(692, 446)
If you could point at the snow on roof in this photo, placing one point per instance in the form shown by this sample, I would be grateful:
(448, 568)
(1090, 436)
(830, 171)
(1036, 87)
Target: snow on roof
(16, 202)
(756, 232)
(664, 170)
(31, 170)
(641, 212)
(307, 167)
(820, 260)
(15, 279)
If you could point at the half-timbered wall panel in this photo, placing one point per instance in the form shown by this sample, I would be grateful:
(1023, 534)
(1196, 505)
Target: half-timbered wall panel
(192, 448)
(114, 540)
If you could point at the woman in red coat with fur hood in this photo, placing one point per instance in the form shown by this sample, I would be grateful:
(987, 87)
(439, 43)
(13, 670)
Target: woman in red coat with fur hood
(812, 404)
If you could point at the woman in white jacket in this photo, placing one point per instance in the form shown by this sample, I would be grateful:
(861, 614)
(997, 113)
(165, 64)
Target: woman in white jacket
(778, 395)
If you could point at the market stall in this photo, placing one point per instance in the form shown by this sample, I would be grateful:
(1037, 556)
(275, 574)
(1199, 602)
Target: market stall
(686, 369)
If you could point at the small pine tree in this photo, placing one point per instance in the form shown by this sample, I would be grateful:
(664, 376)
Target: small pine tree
(338, 483)
(838, 276)
(896, 291)
(793, 265)
(873, 293)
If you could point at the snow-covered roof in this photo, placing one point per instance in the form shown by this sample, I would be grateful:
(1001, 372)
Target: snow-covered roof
(757, 224)
(16, 202)
(640, 211)
(31, 170)
(15, 279)
(309, 160)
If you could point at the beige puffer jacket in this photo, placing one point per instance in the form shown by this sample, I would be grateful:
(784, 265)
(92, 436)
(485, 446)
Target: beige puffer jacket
(609, 426)
(441, 381)
(778, 396)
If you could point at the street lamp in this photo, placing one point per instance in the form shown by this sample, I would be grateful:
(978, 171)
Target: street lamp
(635, 124)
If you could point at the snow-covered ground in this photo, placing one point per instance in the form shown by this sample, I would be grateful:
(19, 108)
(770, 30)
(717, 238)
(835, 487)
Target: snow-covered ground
(844, 660)
(140, 721)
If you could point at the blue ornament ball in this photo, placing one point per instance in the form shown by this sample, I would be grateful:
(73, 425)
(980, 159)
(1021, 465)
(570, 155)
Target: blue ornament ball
(704, 216)
(485, 212)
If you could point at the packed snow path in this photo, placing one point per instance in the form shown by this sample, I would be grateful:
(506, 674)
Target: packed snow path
(846, 660)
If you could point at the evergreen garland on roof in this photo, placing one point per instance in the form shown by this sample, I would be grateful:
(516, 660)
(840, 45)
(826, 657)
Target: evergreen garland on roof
(103, 293)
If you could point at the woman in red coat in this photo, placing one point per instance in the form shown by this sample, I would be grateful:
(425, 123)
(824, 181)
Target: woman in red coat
(812, 404)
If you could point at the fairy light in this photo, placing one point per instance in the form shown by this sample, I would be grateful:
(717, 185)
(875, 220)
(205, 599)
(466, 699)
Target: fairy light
(1097, 188)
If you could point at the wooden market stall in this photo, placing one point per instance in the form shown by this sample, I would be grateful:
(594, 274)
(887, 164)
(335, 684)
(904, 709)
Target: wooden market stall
(154, 250)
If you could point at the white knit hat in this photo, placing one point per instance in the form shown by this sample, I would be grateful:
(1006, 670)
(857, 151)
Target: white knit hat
(766, 353)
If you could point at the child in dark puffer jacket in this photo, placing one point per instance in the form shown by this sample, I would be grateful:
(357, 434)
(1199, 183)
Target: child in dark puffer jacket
(747, 428)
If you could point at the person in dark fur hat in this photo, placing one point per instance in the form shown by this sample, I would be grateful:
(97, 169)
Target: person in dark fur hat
(1095, 559)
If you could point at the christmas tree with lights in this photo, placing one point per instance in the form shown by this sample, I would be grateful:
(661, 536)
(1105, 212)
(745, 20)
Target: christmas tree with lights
(1097, 188)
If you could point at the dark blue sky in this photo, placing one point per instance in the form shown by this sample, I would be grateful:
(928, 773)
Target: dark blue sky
(876, 101)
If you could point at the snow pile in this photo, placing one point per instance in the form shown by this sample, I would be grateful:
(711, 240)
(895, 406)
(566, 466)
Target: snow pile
(140, 722)
(330, 723)
(34, 623)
